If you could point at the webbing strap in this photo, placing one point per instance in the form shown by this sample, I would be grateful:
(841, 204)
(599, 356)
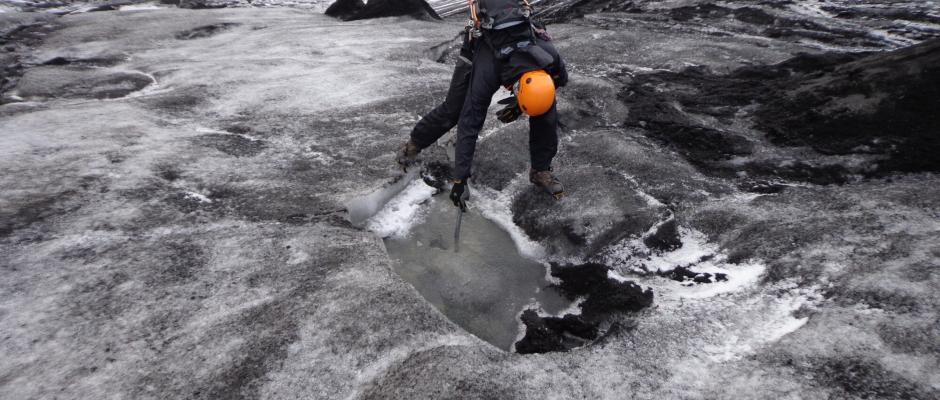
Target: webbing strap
(505, 25)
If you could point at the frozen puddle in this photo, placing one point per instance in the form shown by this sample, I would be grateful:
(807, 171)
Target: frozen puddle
(485, 286)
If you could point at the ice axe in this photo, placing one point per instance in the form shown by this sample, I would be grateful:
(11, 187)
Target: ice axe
(461, 208)
(457, 230)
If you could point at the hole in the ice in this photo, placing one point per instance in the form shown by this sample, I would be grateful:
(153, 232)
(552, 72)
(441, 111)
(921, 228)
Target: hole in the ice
(484, 287)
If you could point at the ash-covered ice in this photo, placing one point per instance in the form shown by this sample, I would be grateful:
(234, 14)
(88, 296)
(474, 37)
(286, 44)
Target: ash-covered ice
(176, 180)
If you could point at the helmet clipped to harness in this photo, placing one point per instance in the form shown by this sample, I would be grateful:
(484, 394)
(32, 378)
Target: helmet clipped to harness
(535, 92)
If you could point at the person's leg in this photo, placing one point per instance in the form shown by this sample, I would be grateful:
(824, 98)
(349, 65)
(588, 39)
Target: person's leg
(444, 117)
(484, 81)
(543, 139)
(543, 145)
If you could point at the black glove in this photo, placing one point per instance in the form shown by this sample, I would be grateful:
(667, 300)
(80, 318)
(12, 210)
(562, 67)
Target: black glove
(459, 194)
(511, 112)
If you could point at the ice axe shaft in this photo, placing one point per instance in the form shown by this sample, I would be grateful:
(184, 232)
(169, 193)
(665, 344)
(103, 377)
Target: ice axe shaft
(457, 230)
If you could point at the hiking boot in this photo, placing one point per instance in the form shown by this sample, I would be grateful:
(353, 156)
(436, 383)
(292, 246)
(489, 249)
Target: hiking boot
(548, 182)
(407, 155)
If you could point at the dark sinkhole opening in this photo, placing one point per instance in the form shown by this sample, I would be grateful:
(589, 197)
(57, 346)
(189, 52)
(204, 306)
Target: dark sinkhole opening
(489, 287)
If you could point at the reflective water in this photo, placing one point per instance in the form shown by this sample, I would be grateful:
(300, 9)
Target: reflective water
(485, 285)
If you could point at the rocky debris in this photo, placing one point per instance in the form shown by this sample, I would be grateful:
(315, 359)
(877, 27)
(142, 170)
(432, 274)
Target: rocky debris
(550, 334)
(437, 174)
(345, 9)
(601, 207)
(873, 106)
(205, 31)
(665, 237)
(883, 104)
(351, 10)
(605, 297)
(685, 275)
(80, 82)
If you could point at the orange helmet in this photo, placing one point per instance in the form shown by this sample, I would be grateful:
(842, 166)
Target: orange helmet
(536, 92)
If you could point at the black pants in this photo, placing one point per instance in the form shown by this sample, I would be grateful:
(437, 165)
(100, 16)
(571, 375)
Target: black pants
(444, 117)
(468, 99)
(484, 82)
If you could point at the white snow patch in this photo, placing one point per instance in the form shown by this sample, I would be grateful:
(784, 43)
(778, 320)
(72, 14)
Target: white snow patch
(696, 254)
(361, 208)
(199, 197)
(772, 325)
(626, 254)
(402, 212)
(739, 278)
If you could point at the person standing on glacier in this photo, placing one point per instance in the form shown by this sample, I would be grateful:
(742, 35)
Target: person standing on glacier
(442, 118)
(505, 48)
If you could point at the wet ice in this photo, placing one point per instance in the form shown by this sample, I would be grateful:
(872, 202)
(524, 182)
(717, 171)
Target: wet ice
(484, 286)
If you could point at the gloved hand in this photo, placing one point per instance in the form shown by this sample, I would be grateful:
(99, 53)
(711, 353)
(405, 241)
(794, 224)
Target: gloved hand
(511, 112)
(459, 194)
